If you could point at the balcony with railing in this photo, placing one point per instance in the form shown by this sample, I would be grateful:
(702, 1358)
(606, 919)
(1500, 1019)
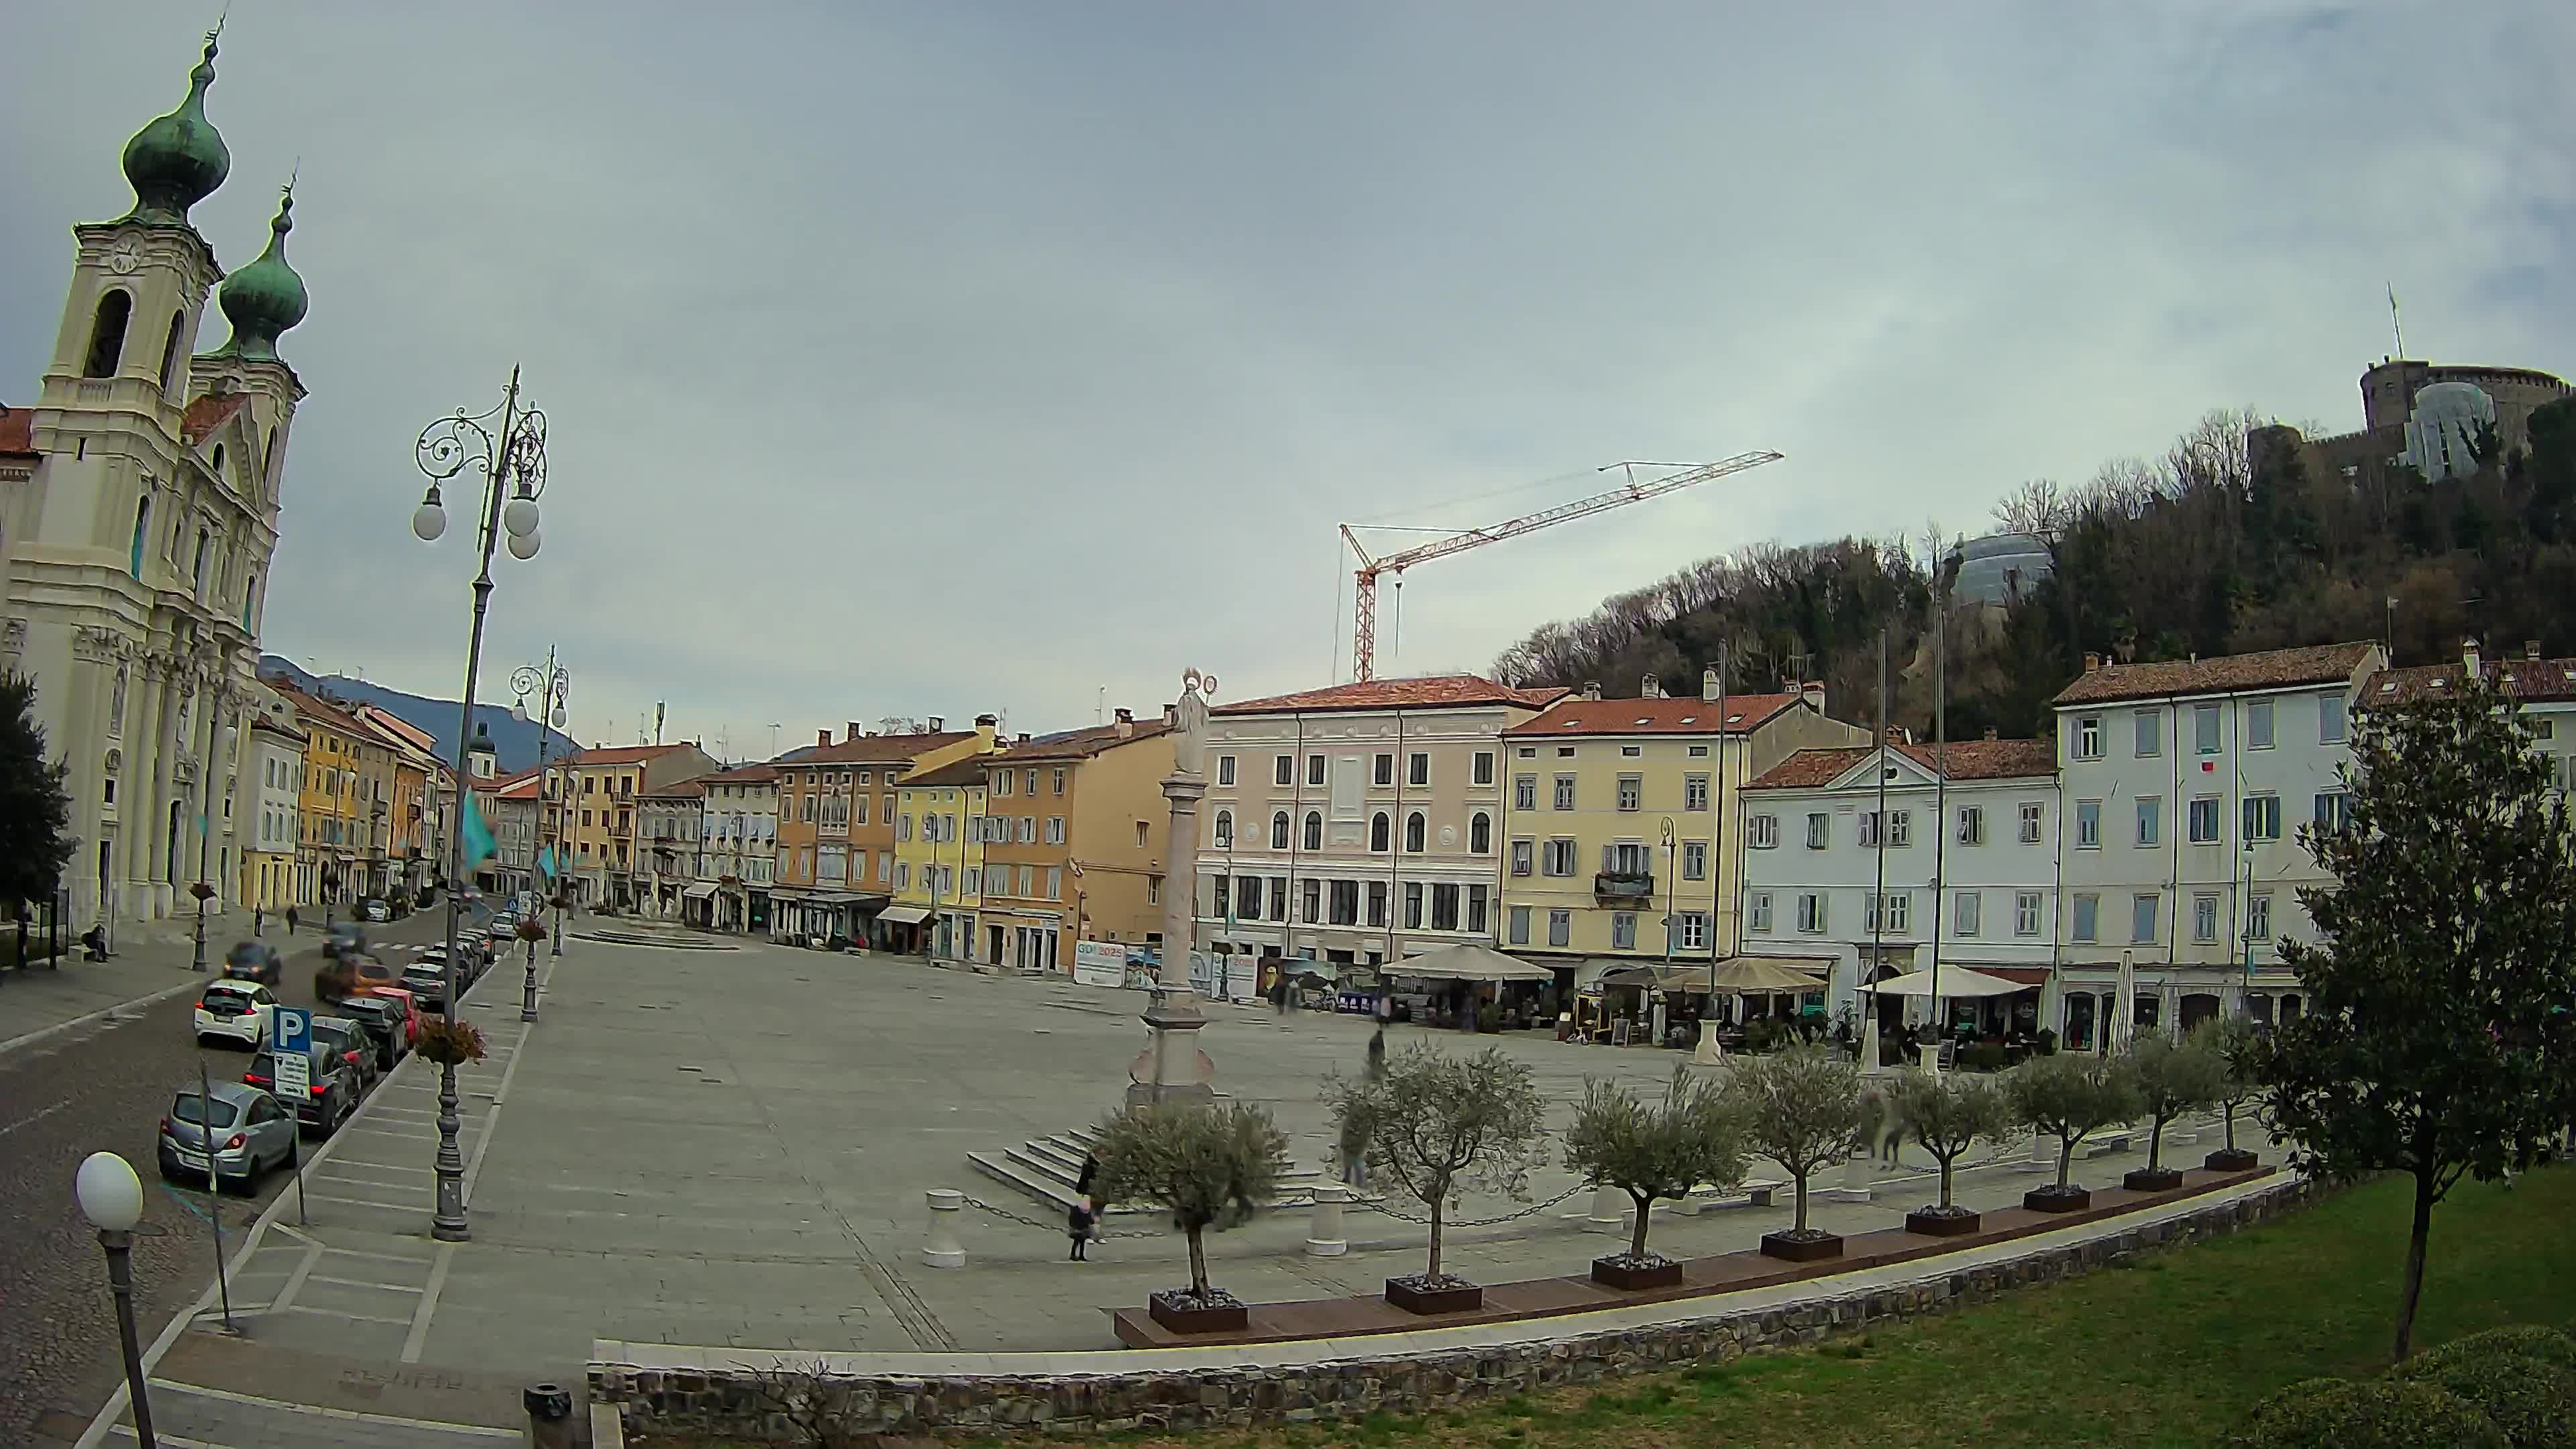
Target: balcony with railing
(1624, 885)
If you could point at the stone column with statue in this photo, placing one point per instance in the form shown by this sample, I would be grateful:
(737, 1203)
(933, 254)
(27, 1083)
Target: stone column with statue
(1172, 1068)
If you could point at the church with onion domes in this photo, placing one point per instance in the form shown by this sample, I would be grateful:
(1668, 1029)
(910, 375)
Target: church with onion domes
(138, 516)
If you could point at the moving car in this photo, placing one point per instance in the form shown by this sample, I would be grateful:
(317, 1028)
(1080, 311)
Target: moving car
(346, 938)
(254, 961)
(251, 1134)
(331, 1093)
(353, 1043)
(236, 1011)
(386, 1023)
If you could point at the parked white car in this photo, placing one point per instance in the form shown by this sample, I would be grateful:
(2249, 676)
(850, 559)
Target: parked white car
(237, 1011)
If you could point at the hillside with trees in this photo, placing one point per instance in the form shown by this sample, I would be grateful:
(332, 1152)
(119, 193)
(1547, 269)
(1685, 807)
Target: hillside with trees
(2211, 548)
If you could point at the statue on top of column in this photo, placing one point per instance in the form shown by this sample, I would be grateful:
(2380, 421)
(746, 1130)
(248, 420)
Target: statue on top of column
(1190, 720)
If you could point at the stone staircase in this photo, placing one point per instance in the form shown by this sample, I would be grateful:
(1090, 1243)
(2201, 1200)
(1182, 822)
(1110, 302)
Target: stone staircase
(1046, 1169)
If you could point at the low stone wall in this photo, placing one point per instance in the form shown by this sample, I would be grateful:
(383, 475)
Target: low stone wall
(747, 1404)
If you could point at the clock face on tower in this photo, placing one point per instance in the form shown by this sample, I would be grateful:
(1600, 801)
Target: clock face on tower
(126, 257)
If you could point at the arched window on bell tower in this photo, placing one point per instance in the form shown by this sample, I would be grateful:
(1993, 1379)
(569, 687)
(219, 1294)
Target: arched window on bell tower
(170, 349)
(107, 332)
(142, 530)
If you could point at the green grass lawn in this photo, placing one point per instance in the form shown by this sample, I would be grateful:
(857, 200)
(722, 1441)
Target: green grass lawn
(2169, 1351)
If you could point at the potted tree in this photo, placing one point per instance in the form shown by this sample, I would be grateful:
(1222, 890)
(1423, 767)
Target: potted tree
(1949, 1113)
(1213, 1168)
(1802, 1110)
(2170, 1080)
(1653, 1151)
(2235, 1043)
(2070, 1097)
(1438, 1125)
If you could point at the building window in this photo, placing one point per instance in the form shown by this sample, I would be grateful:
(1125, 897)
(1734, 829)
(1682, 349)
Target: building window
(1314, 769)
(107, 333)
(1694, 860)
(1632, 792)
(1525, 792)
(1224, 773)
(2262, 817)
(1694, 792)
(1757, 908)
(1560, 927)
(2334, 811)
(1059, 781)
(1247, 896)
(1966, 913)
(1313, 891)
(1377, 903)
(1224, 830)
(1285, 772)
(1476, 904)
(1899, 907)
(1279, 830)
(1900, 827)
(1820, 830)
(1623, 930)
(2088, 824)
(1523, 855)
(1153, 888)
(2204, 820)
(2088, 914)
(2204, 918)
(1314, 830)
(2204, 728)
(2142, 919)
(1415, 827)
(1417, 768)
(1382, 769)
(1811, 912)
(1518, 929)
(2088, 737)
(2026, 913)
(2032, 812)
(1413, 905)
(1480, 834)
(2151, 733)
(2258, 724)
(1762, 832)
(2330, 719)
(1559, 859)
(1379, 832)
(1565, 792)
(1345, 904)
(2258, 916)
(2151, 819)
(1482, 772)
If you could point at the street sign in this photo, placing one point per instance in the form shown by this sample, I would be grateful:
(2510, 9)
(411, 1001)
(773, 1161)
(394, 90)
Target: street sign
(293, 1040)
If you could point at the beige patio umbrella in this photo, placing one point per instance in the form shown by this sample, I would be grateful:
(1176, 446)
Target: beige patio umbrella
(1757, 975)
(1468, 961)
(1956, 981)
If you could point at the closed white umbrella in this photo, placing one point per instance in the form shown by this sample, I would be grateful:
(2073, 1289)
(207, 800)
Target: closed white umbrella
(2124, 1012)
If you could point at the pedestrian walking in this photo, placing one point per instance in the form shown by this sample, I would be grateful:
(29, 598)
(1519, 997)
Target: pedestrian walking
(1090, 1170)
(1077, 1225)
(1377, 1054)
(290, 920)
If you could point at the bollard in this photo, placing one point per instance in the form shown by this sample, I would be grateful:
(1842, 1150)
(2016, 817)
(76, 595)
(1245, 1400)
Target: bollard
(943, 1250)
(549, 1416)
(1609, 1211)
(1324, 1232)
(2042, 1158)
(1860, 1171)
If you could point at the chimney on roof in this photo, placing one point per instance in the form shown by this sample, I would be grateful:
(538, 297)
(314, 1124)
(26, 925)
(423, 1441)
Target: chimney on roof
(987, 728)
(938, 723)
(1171, 716)
(2092, 661)
(1126, 723)
(2469, 657)
(2530, 648)
(1592, 689)
(1709, 688)
(1024, 737)
(853, 731)
(1650, 688)
(822, 737)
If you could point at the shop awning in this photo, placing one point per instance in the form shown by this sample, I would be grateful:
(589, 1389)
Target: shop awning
(700, 891)
(1468, 962)
(1956, 981)
(904, 915)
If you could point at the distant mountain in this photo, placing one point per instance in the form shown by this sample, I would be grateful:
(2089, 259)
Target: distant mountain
(514, 740)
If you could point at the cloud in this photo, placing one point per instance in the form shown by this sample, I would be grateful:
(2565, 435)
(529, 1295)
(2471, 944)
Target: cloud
(935, 359)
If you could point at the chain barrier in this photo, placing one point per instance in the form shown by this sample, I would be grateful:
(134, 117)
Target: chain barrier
(1059, 1229)
(1447, 1223)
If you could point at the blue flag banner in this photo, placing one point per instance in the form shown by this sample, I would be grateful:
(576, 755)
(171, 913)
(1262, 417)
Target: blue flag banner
(546, 862)
(478, 836)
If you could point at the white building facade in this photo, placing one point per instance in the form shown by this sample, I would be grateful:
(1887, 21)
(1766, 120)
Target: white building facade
(1961, 867)
(739, 861)
(2185, 784)
(273, 763)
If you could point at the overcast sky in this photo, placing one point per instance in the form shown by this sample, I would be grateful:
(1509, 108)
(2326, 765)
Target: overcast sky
(947, 357)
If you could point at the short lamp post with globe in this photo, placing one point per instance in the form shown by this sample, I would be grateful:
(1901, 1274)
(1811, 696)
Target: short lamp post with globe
(508, 446)
(551, 685)
(111, 1197)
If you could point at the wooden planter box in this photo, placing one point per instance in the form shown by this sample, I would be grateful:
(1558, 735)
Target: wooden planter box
(2051, 1200)
(2231, 1159)
(2152, 1179)
(1182, 1318)
(1462, 1298)
(1611, 1273)
(1942, 1225)
(1801, 1250)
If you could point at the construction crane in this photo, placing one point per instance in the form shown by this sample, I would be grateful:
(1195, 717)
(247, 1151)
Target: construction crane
(1364, 606)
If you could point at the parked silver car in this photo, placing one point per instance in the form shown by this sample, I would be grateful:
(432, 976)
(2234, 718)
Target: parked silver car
(251, 1134)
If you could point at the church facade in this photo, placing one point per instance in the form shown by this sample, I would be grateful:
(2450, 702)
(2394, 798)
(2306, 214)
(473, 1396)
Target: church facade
(137, 526)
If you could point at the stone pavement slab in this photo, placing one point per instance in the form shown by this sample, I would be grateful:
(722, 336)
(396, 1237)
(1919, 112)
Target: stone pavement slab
(44, 1001)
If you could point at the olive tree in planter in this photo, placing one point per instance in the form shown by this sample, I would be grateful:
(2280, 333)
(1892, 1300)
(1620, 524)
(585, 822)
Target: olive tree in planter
(1948, 1113)
(2170, 1079)
(1652, 1151)
(2236, 1045)
(1213, 1167)
(1438, 1125)
(1802, 1109)
(2070, 1097)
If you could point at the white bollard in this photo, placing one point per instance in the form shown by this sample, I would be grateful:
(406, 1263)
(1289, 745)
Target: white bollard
(2042, 1156)
(1324, 1231)
(1609, 1213)
(943, 1250)
(1860, 1171)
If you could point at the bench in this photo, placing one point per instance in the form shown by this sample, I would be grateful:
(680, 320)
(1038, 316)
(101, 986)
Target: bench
(1757, 1192)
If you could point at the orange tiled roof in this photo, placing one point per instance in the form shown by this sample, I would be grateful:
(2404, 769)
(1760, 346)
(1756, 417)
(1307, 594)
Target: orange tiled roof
(744, 775)
(1080, 744)
(1968, 760)
(330, 713)
(693, 787)
(622, 754)
(1693, 716)
(968, 771)
(2527, 679)
(2270, 669)
(875, 749)
(208, 413)
(1439, 691)
(18, 431)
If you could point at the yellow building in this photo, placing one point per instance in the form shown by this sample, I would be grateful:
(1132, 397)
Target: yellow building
(331, 833)
(1621, 814)
(1077, 837)
(599, 813)
(938, 860)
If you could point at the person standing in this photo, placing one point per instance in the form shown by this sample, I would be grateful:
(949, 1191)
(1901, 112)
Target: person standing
(1077, 1225)
(1377, 1054)
(290, 920)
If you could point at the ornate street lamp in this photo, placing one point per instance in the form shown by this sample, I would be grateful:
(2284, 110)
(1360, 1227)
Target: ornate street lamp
(511, 455)
(552, 685)
(111, 1197)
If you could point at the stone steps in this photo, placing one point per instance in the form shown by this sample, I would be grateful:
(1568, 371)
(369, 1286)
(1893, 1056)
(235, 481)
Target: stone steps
(1047, 1168)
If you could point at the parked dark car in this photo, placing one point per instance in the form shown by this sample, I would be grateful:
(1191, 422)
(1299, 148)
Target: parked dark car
(250, 1133)
(333, 1091)
(382, 1019)
(254, 961)
(427, 983)
(358, 1048)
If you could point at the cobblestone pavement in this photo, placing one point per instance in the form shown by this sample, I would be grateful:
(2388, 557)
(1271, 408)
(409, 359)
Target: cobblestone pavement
(104, 1085)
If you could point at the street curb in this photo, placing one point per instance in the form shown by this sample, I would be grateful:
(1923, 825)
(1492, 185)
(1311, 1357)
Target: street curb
(42, 1033)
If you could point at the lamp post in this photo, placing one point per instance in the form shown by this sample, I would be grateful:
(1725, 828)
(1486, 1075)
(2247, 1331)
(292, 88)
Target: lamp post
(512, 459)
(111, 1197)
(553, 687)
(1168, 1069)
